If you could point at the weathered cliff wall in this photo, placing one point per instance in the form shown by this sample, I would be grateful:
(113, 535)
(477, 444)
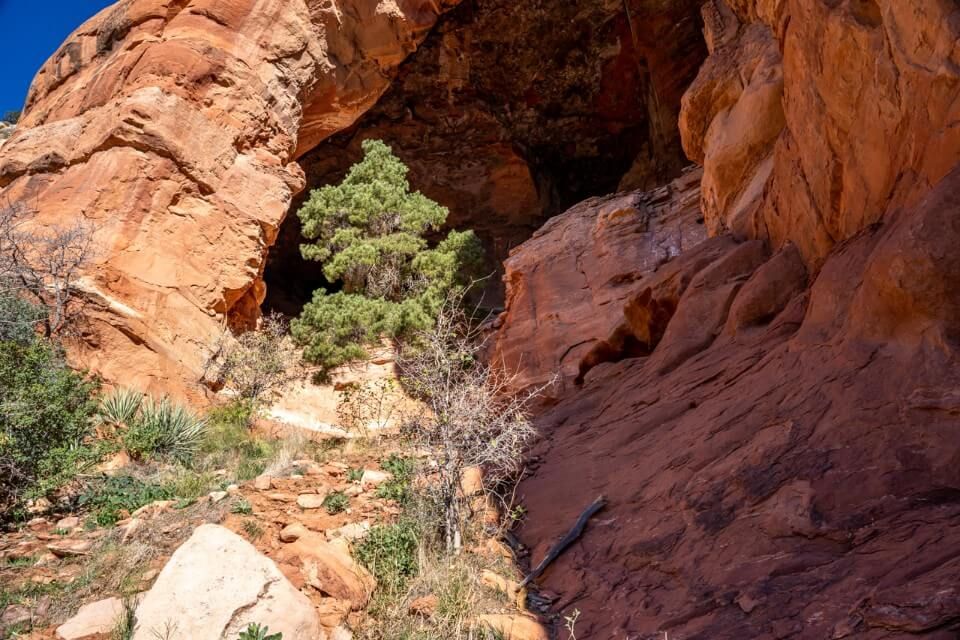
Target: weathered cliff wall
(172, 127)
(774, 418)
(509, 113)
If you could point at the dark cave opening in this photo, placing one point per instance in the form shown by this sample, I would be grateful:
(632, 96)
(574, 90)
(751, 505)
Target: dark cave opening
(290, 278)
(509, 114)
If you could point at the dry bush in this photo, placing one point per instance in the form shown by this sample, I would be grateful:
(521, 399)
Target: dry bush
(471, 420)
(460, 597)
(44, 266)
(365, 407)
(257, 363)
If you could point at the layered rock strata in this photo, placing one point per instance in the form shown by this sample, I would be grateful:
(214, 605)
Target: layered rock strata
(171, 129)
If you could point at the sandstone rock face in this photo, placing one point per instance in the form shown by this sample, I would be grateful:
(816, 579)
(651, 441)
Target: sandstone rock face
(329, 568)
(214, 586)
(511, 112)
(567, 285)
(812, 119)
(172, 128)
(781, 464)
(772, 416)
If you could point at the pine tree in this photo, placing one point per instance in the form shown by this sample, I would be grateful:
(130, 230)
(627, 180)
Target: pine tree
(370, 234)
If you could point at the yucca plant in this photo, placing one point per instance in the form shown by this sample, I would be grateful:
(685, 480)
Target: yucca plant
(160, 427)
(120, 407)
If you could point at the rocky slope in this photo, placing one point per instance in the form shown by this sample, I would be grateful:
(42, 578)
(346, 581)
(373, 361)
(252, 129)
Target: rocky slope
(779, 457)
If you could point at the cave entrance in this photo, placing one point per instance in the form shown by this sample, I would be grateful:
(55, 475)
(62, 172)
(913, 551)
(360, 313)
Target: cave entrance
(291, 279)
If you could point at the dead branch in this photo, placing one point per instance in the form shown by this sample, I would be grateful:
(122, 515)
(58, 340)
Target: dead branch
(575, 532)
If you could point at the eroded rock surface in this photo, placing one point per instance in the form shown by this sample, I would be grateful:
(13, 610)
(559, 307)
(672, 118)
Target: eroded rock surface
(813, 119)
(567, 285)
(779, 458)
(512, 112)
(782, 464)
(171, 127)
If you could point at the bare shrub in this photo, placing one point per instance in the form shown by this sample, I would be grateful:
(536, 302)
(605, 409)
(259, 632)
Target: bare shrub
(44, 266)
(471, 421)
(365, 407)
(257, 363)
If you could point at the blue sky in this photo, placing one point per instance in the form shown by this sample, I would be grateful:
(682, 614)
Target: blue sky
(30, 31)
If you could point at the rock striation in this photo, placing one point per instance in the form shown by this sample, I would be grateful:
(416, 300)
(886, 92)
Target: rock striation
(172, 129)
(566, 286)
(814, 119)
(772, 418)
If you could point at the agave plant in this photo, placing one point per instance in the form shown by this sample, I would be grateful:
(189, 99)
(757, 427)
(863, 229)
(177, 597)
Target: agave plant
(120, 407)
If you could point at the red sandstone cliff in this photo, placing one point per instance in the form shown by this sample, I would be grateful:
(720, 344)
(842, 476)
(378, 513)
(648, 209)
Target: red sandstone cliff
(780, 457)
(772, 411)
(172, 127)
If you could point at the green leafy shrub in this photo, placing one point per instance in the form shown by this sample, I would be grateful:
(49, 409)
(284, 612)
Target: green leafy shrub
(369, 233)
(398, 487)
(256, 632)
(46, 412)
(106, 497)
(390, 553)
(336, 502)
(18, 319)
(11, 117)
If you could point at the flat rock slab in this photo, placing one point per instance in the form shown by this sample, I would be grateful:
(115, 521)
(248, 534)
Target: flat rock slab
(215, 585)
(93, 621)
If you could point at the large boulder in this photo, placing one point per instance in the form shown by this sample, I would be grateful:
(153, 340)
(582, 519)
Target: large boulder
(214, 586)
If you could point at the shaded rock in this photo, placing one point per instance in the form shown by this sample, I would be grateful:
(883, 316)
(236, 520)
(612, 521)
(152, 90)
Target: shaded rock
(372, 479)
(153, 509)
(495, 581)
(14, 615)
(70, 548)
(215, 585)
(292, 532)
(424, 606)
(779, 425)
(566, 288)
(311, 500)
(352, 531)
(131, 529)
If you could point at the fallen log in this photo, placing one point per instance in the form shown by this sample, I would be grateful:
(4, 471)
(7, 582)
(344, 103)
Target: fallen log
(575, 532)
